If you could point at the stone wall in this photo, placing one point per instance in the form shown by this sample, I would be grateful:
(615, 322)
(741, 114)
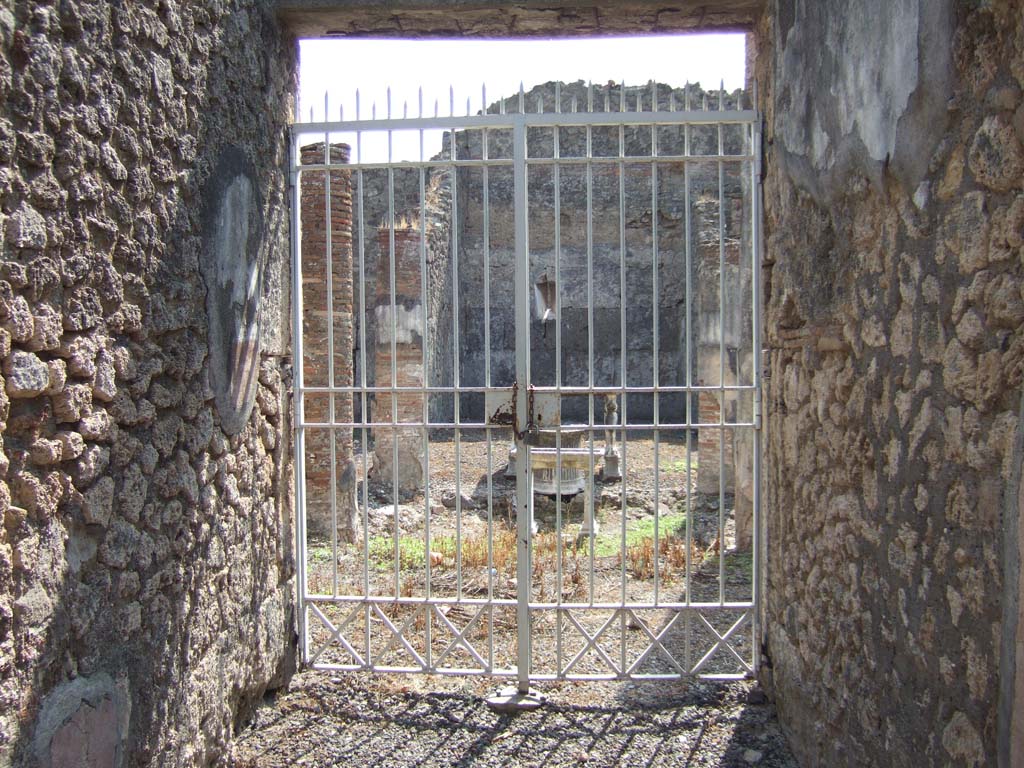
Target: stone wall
(605, 294)
(894, 206)
(144, 552)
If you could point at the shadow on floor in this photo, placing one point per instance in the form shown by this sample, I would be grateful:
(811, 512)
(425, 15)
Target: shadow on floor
(358, 720)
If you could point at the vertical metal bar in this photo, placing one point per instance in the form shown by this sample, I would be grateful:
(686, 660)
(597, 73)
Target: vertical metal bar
(299, 401)
(592, 539)
(524, 494)
(756, 305)
(688, 622)
(655, 342)
(332, 413)
(456, 375)
(360, 214)
(721, 365)
(486, 200)
(688, 341)
(559, 563)
(392, 256)
(425, 432)
(623, 380)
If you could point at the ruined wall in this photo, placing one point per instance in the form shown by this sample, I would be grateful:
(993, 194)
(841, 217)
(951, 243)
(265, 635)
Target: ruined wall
(606, 239)
(894, 205)
(375, 212)
(399, 312)
(144, 566)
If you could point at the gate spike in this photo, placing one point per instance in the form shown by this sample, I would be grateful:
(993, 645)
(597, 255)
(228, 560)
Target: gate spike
(483, 98)
(721, 95)
(671, 100)
(326, 110)
(467, 106)
(451, 101)
(522, 99)
(558, 97)
(654, 96)
(420, 98)
(357, 103)
(405, 109)
(540, 104)
(389, 102)
(622, 97)
(686, 96)
(590, 96)
(608, 97)
(311, 114)
(341, 112)
(436, 107)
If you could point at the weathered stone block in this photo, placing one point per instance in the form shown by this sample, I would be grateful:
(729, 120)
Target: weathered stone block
(120, 544)
(46, 329)
(996, 158)
(45, 452)
(98, 503)
(36, 148)
(80, 352)
(17, 318)
(72, 444)
(26, 375)
(91, 464)
(26, 228)
(58, 376)
(34, 608)
(70, 404)
(965, 232)
(104, 387)
(97, 426)
(82, 310)
(132, 496)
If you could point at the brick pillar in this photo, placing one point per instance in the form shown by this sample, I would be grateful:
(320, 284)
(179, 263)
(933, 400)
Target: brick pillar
(708, 443)
(319, 312)
(405, 324)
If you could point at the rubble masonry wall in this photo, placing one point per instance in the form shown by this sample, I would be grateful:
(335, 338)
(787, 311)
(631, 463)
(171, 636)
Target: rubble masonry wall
(145, 548)
(894, 202)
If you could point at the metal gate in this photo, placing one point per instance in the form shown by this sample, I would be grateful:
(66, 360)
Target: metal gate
(527, 387)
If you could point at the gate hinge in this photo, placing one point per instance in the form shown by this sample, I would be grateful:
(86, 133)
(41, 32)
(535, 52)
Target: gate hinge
(757, 409)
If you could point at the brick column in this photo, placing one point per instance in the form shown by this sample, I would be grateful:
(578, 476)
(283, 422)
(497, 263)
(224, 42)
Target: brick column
(405, 325)
(708, 442)
(319, 312)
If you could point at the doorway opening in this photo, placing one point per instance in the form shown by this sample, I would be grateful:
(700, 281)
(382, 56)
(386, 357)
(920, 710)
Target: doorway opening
(528, 403)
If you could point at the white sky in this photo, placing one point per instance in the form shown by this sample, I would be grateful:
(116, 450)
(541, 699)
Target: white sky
(338, 67)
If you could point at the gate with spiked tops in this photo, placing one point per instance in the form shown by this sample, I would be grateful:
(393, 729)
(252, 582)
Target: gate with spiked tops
(527, 387)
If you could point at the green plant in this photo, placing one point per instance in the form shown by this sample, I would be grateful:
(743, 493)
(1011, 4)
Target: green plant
(609, 542)
(411, 552)
(679, 465)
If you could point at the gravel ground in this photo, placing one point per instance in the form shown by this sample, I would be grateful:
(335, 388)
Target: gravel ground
(384, 721)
